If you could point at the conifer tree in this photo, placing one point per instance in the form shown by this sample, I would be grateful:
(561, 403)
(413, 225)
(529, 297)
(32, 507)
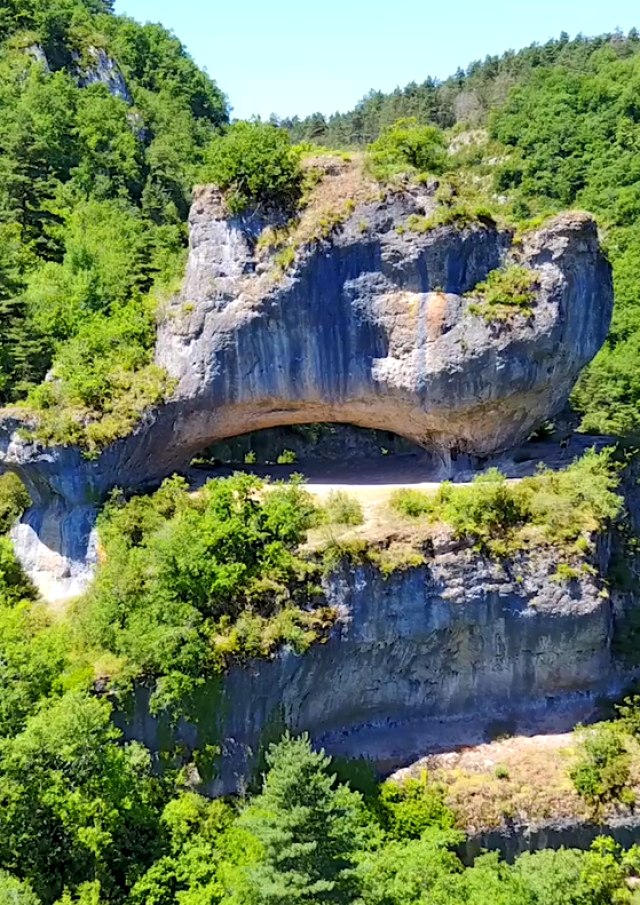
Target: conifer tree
(310, 829)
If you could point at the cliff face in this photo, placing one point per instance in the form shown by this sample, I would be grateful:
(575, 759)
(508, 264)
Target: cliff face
(422, 659)
(374, 329)
(370, 326)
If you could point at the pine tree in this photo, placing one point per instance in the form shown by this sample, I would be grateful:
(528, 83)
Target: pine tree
(309, 828)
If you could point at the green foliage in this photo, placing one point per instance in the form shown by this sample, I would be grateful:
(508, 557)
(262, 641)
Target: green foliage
(411, 503)
(408, 809)
(629, 714)
(93, 208)
(460, 214)
(570, 135)
(565, 572)
(191, 583)
(562, 508)
(411, 872)
(287, 457)
(310, 829)
(570, 877)
(504, 293)
(602, 773)
(16, 892)
(255, 164)
(343, 508)
(14, 499)
(465, 98)
(103, 379)
(407, 147)
(76, 805)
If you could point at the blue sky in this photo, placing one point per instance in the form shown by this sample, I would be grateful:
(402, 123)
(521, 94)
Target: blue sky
(289, 57)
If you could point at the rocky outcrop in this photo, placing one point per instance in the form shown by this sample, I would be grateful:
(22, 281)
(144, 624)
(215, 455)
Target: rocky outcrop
(103, 70)
(376, 330)
(515, 840)
(418, 661)
(371, 326)
(98, 68)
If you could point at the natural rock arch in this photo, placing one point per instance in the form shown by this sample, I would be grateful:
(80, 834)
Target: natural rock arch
(372, 328)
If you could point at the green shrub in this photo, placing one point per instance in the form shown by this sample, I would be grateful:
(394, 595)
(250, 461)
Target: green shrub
(14, 499)
(407, 147)
(412, 806)
(412, 503)
(629, 713)
(343, 508)
(505, 292)
(255, 164)
(501, 772)
(105, 378)
(287, 457)
(564, 573)
(557, 507)
(191, 583)
(489, 507)
(285, 258)
(602, 772)
(460, 214)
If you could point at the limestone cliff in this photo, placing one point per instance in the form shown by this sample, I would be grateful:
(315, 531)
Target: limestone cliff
(423, 659)
(372, 325)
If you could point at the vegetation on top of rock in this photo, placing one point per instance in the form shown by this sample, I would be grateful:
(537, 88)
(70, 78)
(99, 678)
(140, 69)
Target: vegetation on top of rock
(343, 508)
(93, 208)
(407, 147)
(14, 499)
(505, 292)
(563, 508)
(192, 583)
(562, 127)
(256, 165)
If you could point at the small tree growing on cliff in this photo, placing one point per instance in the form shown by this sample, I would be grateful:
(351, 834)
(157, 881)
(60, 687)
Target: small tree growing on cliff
(255, 164)
(310, 829)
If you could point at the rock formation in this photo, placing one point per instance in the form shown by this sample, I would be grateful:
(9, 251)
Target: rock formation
(423, 659)
(370, 326)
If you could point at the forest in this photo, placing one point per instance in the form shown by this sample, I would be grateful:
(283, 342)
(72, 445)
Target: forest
(105, 127)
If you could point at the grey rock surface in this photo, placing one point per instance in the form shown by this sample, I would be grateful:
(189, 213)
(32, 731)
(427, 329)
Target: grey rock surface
(372, 328)
(376, 330)
(416, 661)
(36, 52)
(103, 70)
(513, 841)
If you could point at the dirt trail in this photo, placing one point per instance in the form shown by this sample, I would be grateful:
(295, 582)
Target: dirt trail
(373, 481)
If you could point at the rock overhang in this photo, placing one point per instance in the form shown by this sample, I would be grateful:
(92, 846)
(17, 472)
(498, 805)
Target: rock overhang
(373, 329)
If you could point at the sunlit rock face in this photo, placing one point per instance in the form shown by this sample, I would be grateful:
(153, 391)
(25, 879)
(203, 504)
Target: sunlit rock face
(374, 326)
(376, 329)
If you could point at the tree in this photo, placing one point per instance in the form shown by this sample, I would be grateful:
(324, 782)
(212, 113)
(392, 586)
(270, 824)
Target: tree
(310, 829)
(408, 146)
(16, 892)
(255, 164)
(74, 803)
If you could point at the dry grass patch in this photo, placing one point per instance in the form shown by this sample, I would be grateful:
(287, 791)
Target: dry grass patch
(521, 780)
(336, 185)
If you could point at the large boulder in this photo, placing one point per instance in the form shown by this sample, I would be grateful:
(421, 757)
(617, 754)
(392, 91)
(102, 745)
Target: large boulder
(374, 324)
(375, 328)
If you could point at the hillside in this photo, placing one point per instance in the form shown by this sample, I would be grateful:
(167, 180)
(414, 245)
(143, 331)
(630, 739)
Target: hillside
(170, 279)
(104, 124)
(549, 127)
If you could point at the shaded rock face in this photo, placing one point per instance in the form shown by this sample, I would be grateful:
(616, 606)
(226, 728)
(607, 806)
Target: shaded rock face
(103, 70)
(100, 70)
(371, 327)
(416, 662)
